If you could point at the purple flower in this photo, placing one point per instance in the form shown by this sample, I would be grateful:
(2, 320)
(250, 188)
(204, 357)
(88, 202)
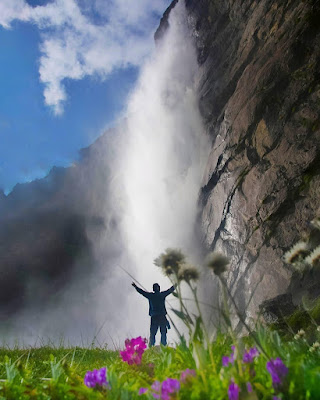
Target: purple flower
(249, 356)
(225, 361)
(156, 386)
(249, 387)
(276, 398)
(96, 377)
(169, 386)
(142, 390)
(89, 380)
(163, 390)
(228, 360)
(233, 391)
(277, 370)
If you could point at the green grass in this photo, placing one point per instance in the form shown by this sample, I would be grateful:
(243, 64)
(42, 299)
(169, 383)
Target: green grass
(54, 373)
(58, 373)
(37, 359)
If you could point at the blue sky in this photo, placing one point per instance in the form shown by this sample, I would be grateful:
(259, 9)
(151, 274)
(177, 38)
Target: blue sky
(66, 69)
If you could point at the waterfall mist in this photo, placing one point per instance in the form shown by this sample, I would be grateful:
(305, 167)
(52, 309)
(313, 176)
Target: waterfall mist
(161, 162)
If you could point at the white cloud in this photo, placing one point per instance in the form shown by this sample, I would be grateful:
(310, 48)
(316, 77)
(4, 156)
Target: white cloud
(13, 9)
(86, 37)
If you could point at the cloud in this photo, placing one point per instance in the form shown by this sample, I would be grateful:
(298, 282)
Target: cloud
(85, 38)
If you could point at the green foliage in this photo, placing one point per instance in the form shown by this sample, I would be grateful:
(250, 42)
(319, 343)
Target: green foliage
(315, 311)
(184, 317)
(48, 373)
(300, 319)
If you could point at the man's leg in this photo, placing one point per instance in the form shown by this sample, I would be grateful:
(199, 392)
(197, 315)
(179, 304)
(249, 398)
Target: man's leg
(153, 331)
(163, 330)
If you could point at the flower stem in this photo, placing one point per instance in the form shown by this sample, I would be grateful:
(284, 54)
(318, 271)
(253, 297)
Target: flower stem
(194, 292)
(254, 336)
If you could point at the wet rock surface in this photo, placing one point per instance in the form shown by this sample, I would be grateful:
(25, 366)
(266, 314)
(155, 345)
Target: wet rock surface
(259, 95)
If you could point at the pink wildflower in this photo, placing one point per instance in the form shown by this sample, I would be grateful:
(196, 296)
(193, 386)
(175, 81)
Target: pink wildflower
(134, 350)
(187, 374)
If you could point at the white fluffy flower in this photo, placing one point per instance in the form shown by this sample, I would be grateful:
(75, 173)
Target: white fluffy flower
(314, 347)
(314, 257)
(293, 255)
(300, 334)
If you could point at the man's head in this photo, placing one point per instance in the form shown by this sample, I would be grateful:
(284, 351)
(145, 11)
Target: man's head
(156, 287)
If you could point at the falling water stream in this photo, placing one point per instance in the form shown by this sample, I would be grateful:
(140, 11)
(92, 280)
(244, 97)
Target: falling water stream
(161, 162)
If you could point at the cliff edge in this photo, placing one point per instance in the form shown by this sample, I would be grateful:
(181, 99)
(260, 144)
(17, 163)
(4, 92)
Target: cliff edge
(259, 96)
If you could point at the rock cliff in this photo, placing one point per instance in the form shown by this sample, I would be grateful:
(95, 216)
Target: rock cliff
(259, 95)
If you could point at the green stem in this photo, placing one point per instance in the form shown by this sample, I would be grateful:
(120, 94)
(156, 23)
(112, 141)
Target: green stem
(175, 327)
(255, 338)
(194, 292)
(182, 306)
(230, 329)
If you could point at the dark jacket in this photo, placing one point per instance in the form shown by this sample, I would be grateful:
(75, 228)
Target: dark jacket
(156, 300)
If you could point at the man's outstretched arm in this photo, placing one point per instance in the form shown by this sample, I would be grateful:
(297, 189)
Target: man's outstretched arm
(169, 291)
(145, 294)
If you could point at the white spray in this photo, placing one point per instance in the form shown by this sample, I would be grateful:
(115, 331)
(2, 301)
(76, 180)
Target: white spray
(161, 164)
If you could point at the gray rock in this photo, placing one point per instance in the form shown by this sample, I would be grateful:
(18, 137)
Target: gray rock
(259, 96)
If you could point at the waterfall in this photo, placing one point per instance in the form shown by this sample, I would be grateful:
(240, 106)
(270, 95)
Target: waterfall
(161, 162)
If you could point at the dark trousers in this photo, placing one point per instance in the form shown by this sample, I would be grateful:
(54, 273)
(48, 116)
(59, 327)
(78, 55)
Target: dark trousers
(158, 321)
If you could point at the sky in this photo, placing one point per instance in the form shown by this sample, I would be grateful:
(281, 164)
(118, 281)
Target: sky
(67, 68)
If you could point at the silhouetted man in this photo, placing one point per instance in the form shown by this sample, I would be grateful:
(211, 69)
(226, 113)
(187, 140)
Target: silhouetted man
(157, 311)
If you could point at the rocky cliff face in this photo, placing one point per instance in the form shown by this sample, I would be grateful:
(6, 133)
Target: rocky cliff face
(259, 95)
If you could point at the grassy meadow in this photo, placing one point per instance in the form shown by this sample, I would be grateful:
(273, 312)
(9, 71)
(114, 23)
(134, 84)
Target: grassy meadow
(58, 373)
(269, 362)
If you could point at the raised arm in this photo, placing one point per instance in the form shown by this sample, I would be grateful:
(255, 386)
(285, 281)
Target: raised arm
(145, 294)
(169, 291)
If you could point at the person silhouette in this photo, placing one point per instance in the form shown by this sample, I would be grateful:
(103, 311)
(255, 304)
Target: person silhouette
(157, 311)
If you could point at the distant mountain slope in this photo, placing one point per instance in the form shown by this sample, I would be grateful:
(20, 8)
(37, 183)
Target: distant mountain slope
(47, 229)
